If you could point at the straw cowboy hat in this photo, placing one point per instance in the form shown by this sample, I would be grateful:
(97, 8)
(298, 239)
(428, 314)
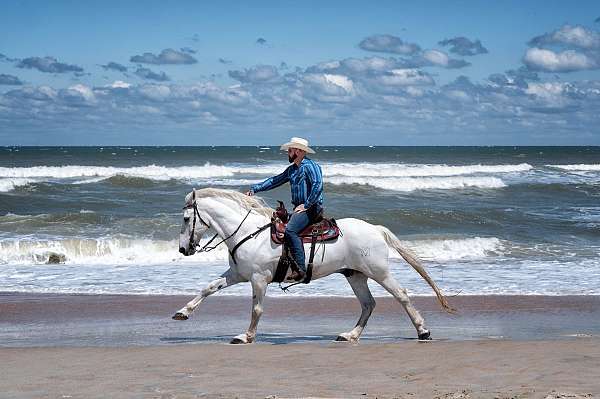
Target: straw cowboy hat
(298, 142)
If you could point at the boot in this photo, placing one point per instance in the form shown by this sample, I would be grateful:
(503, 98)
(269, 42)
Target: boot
(297, 274)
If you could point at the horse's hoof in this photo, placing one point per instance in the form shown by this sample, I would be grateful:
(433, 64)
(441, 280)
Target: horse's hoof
(426, 336)
(346, 337)
(179, 316)
(239, 339)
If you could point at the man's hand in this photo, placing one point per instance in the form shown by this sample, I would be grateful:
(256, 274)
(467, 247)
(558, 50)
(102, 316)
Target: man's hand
(249, 193)
(299, 208)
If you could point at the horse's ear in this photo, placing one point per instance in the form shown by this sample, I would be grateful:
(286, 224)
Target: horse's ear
(193, 194)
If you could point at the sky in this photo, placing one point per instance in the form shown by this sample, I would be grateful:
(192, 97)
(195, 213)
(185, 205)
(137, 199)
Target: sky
(341, 73)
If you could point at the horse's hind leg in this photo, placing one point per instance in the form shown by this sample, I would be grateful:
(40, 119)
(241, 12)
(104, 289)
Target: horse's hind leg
(392, 286)
(358, 282)
(227, 280)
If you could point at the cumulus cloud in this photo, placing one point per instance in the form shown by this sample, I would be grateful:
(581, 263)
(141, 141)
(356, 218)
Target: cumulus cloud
(405, 77)
(148, 74)
(167, 56)
(114, 66)
(188, 50)
(373, 94)
(10, 80)
(261, 41)
(439, 59)
(411, 55)
(568, 36)
(388, 44)
(564, 61)
(567, 49)
(48, 65)
(462, 46)
(258, 74)
(77, 96)
(514, 77)
(225, 61)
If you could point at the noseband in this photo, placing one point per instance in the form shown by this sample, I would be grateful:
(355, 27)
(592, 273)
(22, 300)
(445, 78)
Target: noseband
(196, 213)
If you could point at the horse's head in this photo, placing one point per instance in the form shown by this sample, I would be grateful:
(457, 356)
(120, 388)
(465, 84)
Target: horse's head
(193, 226)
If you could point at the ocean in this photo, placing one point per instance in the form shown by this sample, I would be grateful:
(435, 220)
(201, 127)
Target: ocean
(484, 220)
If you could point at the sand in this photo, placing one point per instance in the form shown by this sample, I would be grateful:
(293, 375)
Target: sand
(90, 346)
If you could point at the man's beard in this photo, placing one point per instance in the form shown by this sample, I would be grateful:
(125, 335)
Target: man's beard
(292, 158)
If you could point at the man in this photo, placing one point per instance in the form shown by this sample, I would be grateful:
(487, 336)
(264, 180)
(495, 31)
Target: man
(306, 183)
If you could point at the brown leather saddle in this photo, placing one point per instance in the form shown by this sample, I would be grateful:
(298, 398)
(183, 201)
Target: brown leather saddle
(320, 231)
(324, 229)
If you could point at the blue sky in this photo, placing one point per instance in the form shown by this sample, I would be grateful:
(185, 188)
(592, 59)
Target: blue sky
(346, 73)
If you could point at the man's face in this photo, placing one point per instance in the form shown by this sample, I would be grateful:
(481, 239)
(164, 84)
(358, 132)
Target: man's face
(292, 154)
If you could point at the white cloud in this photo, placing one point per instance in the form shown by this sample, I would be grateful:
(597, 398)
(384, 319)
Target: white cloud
(388, 44)
(565, 61)
(569, 36)
(81, 90)
(155, 92)
(119, 84)
(406, 77)
(436, 57)
(340, 80)
(257, 74)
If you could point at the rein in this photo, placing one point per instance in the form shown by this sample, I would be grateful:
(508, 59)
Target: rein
(206, 247)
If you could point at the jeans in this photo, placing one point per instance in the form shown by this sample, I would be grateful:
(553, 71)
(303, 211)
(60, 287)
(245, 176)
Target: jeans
(297, 223)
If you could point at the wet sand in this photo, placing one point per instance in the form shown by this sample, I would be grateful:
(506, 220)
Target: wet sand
(127, 346)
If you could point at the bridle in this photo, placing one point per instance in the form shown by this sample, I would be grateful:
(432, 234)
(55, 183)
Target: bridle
(207, 247)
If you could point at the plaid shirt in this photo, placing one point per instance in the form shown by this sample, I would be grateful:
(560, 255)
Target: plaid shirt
(306, 183)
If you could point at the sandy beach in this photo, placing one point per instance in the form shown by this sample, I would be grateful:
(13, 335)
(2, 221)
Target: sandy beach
(127, 346)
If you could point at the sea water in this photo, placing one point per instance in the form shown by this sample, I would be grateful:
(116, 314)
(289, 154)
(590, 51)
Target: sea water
(484, 220)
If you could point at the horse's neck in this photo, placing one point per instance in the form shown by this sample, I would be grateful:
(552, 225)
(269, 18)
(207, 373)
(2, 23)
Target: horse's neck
(226, 216)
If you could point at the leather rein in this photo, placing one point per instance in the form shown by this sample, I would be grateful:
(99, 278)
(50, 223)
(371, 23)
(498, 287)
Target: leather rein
(207, 247)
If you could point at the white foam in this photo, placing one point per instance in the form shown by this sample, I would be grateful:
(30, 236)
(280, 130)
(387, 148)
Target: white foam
(577, 167)
(408, 184)
(10, 184)
(99, 251)
(441, 250)
(402, 170)
(154, 172)
(157, 172)
(122, 251)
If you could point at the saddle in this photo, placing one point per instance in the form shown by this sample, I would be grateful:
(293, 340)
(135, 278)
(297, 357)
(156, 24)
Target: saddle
(324, 229)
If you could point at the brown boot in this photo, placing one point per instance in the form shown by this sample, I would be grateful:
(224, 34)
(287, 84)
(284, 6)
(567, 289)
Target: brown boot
(297, 275)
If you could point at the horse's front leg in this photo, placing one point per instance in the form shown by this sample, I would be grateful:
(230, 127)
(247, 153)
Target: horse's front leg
(259, 289)
(227, 280)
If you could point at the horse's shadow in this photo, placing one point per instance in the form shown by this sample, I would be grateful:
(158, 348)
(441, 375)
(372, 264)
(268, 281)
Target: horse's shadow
(278, 339)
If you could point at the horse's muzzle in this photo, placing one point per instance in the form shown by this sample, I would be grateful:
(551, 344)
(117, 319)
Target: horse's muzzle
(183, 251)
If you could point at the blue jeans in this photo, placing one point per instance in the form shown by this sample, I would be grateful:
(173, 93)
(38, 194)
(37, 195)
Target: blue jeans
(297, 223)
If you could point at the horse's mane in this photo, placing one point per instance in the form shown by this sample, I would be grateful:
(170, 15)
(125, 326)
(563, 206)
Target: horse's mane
(246, 202)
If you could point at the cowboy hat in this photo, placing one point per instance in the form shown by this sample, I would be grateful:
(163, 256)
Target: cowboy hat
(298, 142)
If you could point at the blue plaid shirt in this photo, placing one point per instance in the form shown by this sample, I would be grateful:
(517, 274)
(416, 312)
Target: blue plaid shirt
(306, 183)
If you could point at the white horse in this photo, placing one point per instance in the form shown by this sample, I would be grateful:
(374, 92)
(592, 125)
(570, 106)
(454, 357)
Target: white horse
(361, 253)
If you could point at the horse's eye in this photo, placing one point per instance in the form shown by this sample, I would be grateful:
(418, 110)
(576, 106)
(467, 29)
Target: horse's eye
(186, 219)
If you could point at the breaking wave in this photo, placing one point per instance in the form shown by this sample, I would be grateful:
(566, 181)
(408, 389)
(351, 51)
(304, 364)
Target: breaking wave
(578, 167)
(401, 170)
(10, 184)
(407, 184)
(140, 252)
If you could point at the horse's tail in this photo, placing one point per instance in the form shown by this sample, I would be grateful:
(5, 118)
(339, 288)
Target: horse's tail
(393, 242)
